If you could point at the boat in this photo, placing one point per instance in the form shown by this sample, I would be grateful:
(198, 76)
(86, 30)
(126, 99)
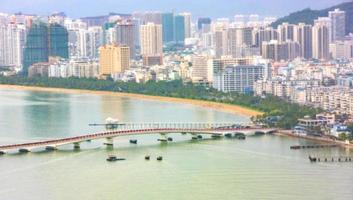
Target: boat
(159, 158)
(162, 140)
(112, 158)
(295, 147)
(312, 159)
(133, 141)
(147, 157)
(241, 137)
(194, 137)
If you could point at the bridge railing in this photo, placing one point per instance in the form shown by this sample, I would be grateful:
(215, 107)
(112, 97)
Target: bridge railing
(154, 125)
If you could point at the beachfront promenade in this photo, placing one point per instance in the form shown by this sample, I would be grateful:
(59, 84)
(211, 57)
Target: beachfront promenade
(128, 129)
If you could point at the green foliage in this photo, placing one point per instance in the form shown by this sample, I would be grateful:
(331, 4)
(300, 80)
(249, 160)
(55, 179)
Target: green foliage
(342, 136)
(284, 113)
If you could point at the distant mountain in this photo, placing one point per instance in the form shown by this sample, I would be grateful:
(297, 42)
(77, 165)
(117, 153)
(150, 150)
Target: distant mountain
(308, 16)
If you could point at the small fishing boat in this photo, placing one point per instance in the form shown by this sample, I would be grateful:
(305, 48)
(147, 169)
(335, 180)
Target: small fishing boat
(312, 159)
(133, 141)
(159, 158)
(147, 157)
(113, 158)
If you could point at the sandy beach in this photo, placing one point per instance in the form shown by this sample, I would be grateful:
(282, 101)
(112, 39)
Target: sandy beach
(206, 104)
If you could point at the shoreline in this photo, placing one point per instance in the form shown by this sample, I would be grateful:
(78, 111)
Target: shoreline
(288, 133)
(234, 109)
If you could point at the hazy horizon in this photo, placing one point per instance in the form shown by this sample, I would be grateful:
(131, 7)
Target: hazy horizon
(210, 8)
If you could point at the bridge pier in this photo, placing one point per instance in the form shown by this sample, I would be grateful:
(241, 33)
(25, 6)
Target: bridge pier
(109, 141)
(76, 145)
(23, 150)
(51, 148)
(194, 136)
(216, 136)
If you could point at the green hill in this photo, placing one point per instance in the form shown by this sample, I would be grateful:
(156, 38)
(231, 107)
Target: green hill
(308, 16)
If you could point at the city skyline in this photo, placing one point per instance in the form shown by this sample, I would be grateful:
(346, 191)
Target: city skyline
(275, 8)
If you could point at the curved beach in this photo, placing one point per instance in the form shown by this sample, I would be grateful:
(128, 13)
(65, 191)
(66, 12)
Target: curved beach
(207, 104)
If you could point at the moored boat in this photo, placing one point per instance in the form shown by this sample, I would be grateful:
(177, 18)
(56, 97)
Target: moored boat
(133, 141)
(113, 158)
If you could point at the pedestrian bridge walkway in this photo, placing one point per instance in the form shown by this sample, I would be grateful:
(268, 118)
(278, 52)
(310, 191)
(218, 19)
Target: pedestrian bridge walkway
(127, 129)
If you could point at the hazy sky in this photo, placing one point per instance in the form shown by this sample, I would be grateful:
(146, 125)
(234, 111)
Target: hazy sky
(212, 8)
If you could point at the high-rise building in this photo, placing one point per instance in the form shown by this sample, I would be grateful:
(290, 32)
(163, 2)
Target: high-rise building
(125, 35)
(95, 40)
(278, 51)
(254, 20)
(148, 17)
(304, 38)
(36, 49)
(113, 59)
(179, 29)
(151, 39)
(321, 39)
(201, 71)
(58, 41)
(187, 24)
(239, 20)
(12, 41)
(201, 22)
(45, 40)
(239, 78)
(168, 27)
(338, 24)
(264, 35)
(342, 49)
(286, 32)
(238, 39)
(221, 42)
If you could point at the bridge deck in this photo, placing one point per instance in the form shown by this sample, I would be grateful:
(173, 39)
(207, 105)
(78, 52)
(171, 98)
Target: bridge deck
(112, 134)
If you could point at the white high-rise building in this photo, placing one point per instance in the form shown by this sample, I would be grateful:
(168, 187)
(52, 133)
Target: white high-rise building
(151, 39)
(338, 24)
(187, 24)
(321, 38)
(111, 35)
(239, 20)
(95, 40)
(239, 78)
(12, 41)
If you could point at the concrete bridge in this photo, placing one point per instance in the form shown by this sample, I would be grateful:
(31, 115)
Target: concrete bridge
(127, 129)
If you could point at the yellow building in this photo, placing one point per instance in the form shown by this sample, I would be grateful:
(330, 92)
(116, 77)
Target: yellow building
(113, 59)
